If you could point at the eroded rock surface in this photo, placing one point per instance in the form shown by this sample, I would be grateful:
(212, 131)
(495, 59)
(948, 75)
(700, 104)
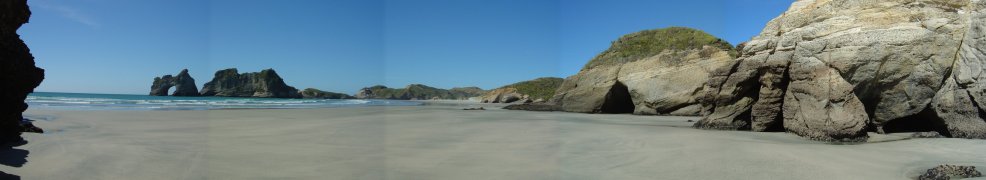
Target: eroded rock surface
(17, 70)
(183, 83)
(649, 72)
(266, 84)
(833, 69)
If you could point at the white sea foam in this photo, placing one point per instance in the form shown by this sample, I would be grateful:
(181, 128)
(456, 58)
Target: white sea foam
(139, 102)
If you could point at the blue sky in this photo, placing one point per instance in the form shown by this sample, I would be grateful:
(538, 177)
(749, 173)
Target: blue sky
(119, 46)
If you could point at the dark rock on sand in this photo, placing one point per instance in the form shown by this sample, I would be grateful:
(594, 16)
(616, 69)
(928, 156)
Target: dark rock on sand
(265, 84)
(930, 134)
(945, 172)
(27, 126)
(17, 69)
(184, 85)
(312, 93)
(534, 107)
(832, 70)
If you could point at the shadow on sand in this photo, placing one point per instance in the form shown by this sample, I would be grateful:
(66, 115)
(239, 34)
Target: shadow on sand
(9, 156)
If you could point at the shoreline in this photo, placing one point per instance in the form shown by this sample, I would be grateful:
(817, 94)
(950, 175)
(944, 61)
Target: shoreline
(445, 142)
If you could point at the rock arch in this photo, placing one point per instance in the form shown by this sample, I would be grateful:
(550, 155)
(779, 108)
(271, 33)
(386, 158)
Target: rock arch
(183, 83)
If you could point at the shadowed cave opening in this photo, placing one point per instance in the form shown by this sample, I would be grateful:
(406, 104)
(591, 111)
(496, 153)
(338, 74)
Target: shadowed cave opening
(618, 100)
(924, 121)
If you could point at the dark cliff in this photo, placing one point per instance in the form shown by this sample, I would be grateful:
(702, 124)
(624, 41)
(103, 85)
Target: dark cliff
(17, 71)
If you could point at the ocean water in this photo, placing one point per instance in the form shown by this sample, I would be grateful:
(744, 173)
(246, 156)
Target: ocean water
(84, 101)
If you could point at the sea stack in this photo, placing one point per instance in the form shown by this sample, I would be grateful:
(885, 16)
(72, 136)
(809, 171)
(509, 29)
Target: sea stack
(832, 70)
(184, 85)
(265, 84)
(649, 72)
(17, 70)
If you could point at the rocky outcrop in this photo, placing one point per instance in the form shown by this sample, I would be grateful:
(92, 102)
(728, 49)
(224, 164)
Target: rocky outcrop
(533, 107)
(833, 69)
(649, 72)
(537, 90)
(947, 171)
(17, 71)
(183, 83)
(265, 84)
(312, 93)
(416, 92)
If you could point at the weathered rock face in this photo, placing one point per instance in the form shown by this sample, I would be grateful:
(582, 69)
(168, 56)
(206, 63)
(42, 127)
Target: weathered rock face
(184, 85)
(537, 90)
(266, 83)
(416, 92)
(312, 93)
(648, 72)
(17, 70)
(833, 69)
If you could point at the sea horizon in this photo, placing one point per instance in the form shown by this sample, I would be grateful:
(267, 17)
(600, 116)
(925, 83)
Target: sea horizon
(98, 101)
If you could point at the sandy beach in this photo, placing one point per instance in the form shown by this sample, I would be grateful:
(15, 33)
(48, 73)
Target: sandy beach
(444, 142)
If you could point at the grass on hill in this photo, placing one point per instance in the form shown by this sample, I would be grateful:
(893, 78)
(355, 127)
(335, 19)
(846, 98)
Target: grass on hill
(540, 88)
(639, 45)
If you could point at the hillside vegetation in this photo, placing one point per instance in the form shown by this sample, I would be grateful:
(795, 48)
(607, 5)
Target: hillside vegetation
(639, 45)
(540, 88)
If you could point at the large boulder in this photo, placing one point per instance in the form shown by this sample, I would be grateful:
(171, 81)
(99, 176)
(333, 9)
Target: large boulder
(536, 90)
(312, 93)
(183, 83)
(417, 92)
(266, 84)
(833, 69)
(649, 72)
(18, 74)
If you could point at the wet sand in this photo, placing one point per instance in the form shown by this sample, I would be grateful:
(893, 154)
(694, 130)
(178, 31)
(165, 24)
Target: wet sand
(445, 142)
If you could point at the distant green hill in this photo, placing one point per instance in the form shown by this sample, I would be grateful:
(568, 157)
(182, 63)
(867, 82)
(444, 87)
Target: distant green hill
(635, 46)
(418, 92)
(540, 88)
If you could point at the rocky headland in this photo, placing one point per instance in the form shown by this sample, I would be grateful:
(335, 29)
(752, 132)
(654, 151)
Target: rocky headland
(658, 71)
(418, 92)
(833, 70)
(312, 93)
(536, 90)
(183, 83)
(18, 72)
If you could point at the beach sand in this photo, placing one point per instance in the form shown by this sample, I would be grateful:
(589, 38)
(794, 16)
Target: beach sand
(444, 142)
